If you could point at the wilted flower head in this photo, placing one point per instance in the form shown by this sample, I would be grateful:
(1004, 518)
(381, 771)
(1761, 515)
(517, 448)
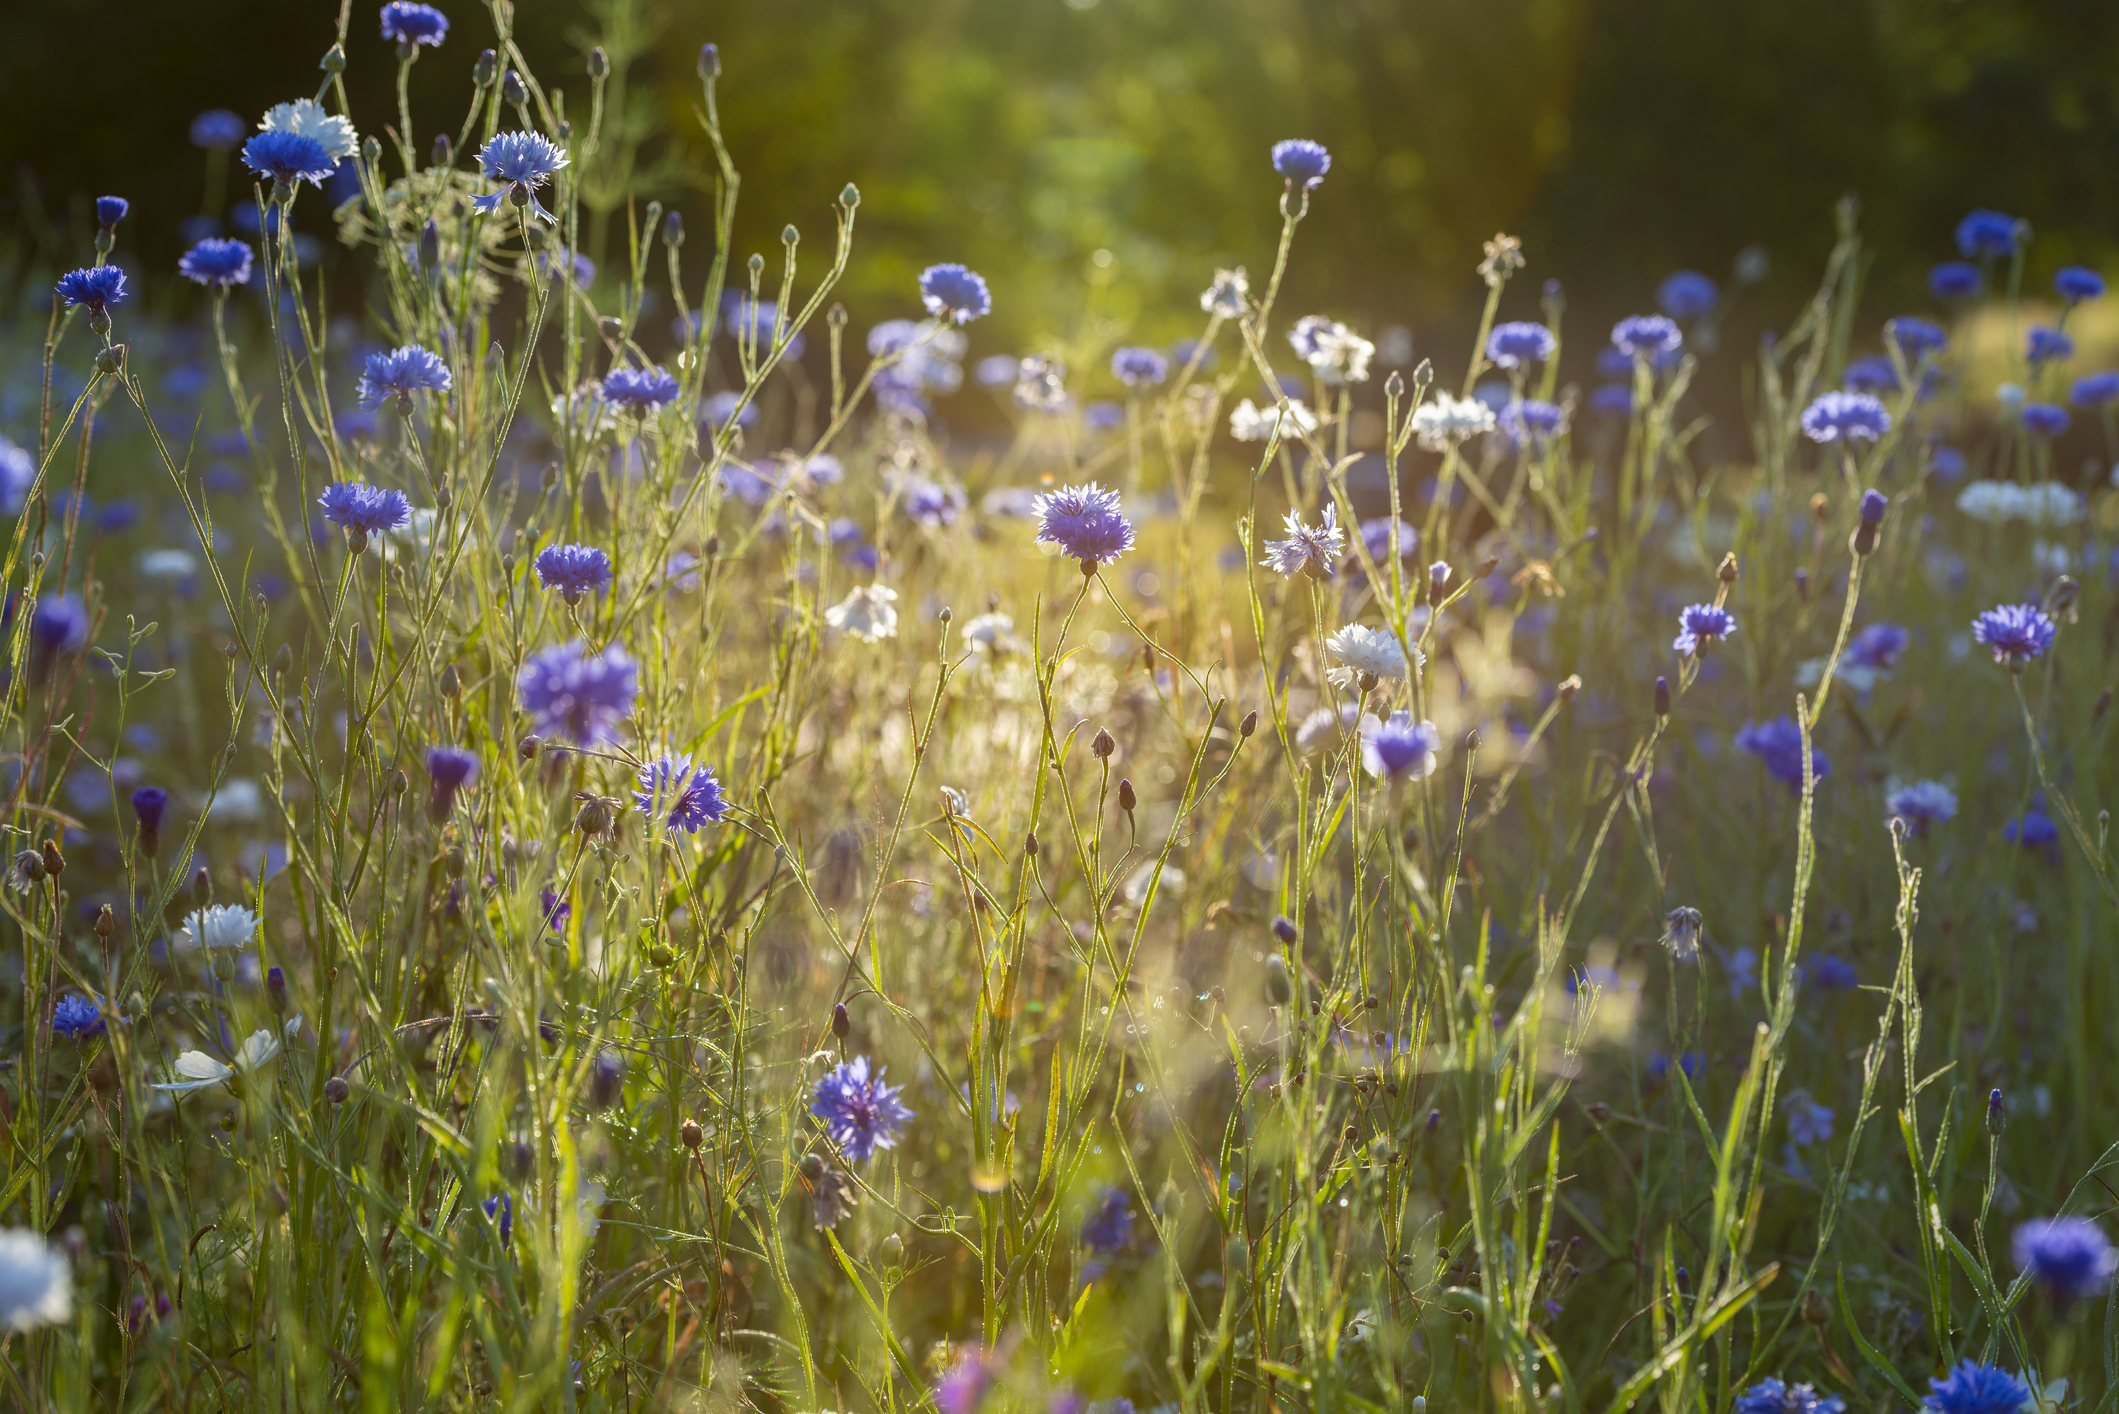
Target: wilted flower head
(1335, 353)
(1845, 417)
(1687, 294)
(1778, 745)
(1399, 748)
(1515, 345)
(1644, 336)
(1972, 1388)
(1681, 933)
(577, 695)
(2016, 633)
(220, 263)
(1313, 549)
(36, 1285)
(401, 373)
(858, 1111)
(1086, 522)
(954, 293)
(1301, 161)
(869, 612)
(573, 570)
(1700, 625)
(521, 162)
(2069, 1256)
(683, 797)
(1446, 421)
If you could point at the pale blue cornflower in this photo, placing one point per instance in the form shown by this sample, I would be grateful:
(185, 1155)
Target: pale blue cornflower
(522, 162)
(2069, 1256)
(1086, 523)
(578, 695)
(573, 570)
(1519, 344)
(640, 389)
(1700, 625)
(1921, 804)
(2017, 633)
(400, 373)
(1301, 161)
(221, 263)
(1311, 549)
(1139, 368)
(1645, 336)
(1399, 749)
(1845, 417)
(1687, 295)
(954, 293)
(859, 1112)
(682, 796)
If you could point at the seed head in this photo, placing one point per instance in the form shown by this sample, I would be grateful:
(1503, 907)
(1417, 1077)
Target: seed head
(1103, 744)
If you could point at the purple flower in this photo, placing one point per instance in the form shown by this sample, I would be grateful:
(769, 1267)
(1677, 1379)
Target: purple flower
(1400, 748)
(217, 130)
(59, 625)
(1612, 400)
(717, 411)
(930, 503)
(288, 157)
(449, 769)
(606, 1080)
(1686, 295)
(1874, 374)
(1772, 1396)
(502, 1212)
(1877, 646)
(1954, 280)
(521, 163)
(682, 796)
(1828, 972)
(363, 510)
(2016, 633)
(557, 910)
(78, 1017)
(1778, 745)
(573, 570)
(1845, 417)
(1311, 548)
(1376, 539)
(2047, 345)
(98, 287)
(1085, 522)
(110, 210)
(2045, 419)
(1301, 161)
(1139, 368)
(2076, 283)
(1916, 338)
(1921, 804)
(1644, 336)
(1986, 234)
(412, 25)
(401, 373)
(964, 1388)
(641, 389)
(578, 695)
(1515, 345)
(1700, 625)
(2094, 391)
(954, 293)
(216, 262)
(1976, 1389)
(858, 1111)
(2069, 1256)
(148, 803)
(1110, 1225)
(2035, 829)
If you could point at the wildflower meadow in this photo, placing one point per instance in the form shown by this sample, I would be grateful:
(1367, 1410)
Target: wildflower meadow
(608, 837)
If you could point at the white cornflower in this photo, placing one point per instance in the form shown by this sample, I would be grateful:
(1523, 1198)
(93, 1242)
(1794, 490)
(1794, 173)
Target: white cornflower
(305, 117)
(166, 564)
(2046, 504)
(201, 1071)
(1250, 423)
(218, 925)
(1363, 650)
(869, 613)
(1326, 727)
(36, 1285)
(1334, 352)
(1308, 548)
(240, 800)
(1229, 295)
(991, 634)
(1446, 421)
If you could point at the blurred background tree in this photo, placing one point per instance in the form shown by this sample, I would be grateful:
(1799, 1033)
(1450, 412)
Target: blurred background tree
(1621, 140)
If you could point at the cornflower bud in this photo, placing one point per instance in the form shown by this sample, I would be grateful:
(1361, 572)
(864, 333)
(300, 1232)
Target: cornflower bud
(487, 66)
(1125, 795)
(709, 61)
(336, 1089)
(444, 151)
(276, 990)
(599, 63)
(1248, 725)
(690, 1134)
(841, 1023)
(673, 229)
(513, 89)
(1278, 989)
(1285, 930)
(1872, 516)
(1662, 697)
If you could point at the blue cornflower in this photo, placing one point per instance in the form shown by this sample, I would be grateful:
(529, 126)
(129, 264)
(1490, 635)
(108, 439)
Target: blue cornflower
(403, 372)
(1690, 1062)
(218, 130)
(1972, 1388)
(2046, 345)
(1954, 280)
(59, 625)
(573, 570)
(1877, 646)
(1874, 374)
(1110, 1225)
(954, 293)
(18, 472)
(716, 411)
(641, 389)
(449, 770)
(1828, 972)
(2069, 1256)
(1400, 748)
(1774, 1397)
(110, 210)
(1778, 745)
(2016, 632)
(930, 503)
(288, 157)
(1612, 400)
(502, 1212)
(77, 1016)
(1921, 804)
(2076, 283)
(755, 321)
(521, 162)
(148, 805)
(556, 910)
(1139, 368)
(2035, 830)
(362, 510)
(1686, 294)
(1808, 1121)
(217, 262)
(1086, 523)
(1916, 338)
(1532, 421)
(1700, 625)
(682, 796)
(1312, 549)
(859, 1112)
(1845, 417)
(1376, 538)
(97, 287)
(1645, 336)
(1988, 233)
(581, 696)
(1514, 345)
(2045, 419)
(1300, 160)
(412, 25)
(2094, 391)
